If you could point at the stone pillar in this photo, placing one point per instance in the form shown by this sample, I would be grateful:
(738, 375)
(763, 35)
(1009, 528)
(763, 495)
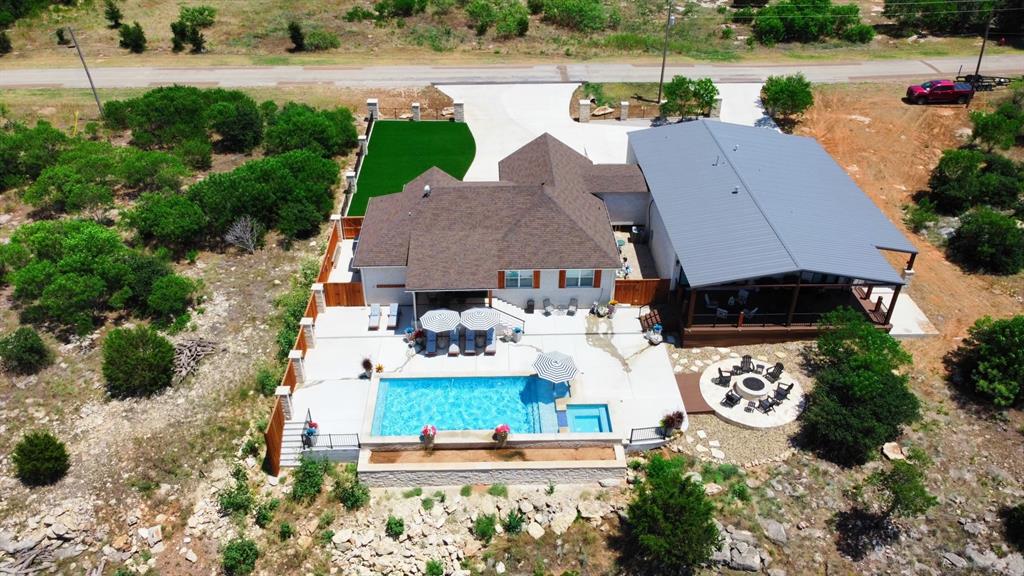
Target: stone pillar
(908, 275)
(318, 297)
(284, 394)
(415, 111)
(306, 325)
(716, 108)
(350, 181)
(336, 223)
(584, 111)
(460, 111)
(363, 145)
(295, 357)
(372, 109)
(624, 110)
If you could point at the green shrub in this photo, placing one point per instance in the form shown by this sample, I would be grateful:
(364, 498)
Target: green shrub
(358, 14)
(427, 503)
(901, 489)
(133, 38)
(170, 297)
(238, 122)
(579, 15)
(5, 43)
(513, 522)
(201, 16)
(240, 557)
(482, 15)
(285, 531)
(39, 459)
(326, 519)
(394, 527)
(237, 500)
(988, 240)
(498, 490)
(740, 492)
(535, 6)
(318, 40)
(466, 491)
(309, 479)
(26, 152)
(796, 21)
(513, 20)
(685, 97)
(990, 361)
(434, 568)
(297, 36)
(940, 18)
(859, 33)
(325, 537)
(168, 219)
(671, 525)
(291, 306)
(399, 8)
(920, 215)
(24, 352)
(112, 13)
(967, 178)
(301, 127)
(413, 493)
(484, 527)
(787, 96)
(996, 129)
(744, 15)
(1013, 525)
(196, 154)
(267, 380)
(352, 493)
(137, 362)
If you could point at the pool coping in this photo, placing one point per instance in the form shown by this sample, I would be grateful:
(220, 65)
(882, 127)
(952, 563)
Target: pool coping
(619, 462)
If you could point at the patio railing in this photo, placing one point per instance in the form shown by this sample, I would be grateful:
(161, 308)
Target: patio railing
(647, 434)
(328, 441)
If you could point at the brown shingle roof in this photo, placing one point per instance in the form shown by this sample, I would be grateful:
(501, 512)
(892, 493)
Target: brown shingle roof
(615, 178)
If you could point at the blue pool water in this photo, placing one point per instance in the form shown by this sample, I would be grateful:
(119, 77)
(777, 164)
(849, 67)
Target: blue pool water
(405, 405)
(588, 418)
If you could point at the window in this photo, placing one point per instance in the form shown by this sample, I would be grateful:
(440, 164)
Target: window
(579, 278)
(519, 279)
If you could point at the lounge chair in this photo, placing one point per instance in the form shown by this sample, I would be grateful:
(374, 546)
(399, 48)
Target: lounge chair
(374, 323)
(731, 399)
(548, 308)
(724, 378)
(529, 306)
(782, 391)
(490, 348)
(470, 348)
(392, 316)
(431, 343)
(573, 307)
(721, 313)
(766, 405)
(709, 303)
(453, 342)
(749, 314)
(774, 373)
(742, 296)
(747, 364)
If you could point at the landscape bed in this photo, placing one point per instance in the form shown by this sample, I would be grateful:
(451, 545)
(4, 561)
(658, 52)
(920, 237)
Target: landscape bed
(400, 150)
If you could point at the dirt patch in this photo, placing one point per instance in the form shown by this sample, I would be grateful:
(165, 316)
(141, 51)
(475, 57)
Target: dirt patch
(590, 453)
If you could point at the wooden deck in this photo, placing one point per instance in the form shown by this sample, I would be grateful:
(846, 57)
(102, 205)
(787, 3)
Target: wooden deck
(689, 389)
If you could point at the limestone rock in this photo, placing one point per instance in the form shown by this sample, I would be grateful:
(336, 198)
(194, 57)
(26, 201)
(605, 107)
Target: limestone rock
(748, 560)
(610, 482)
(561, 521)
(712, 489)
(191, 556)
(774, 530)
(893, 451)
(954, 560)
(535, 530)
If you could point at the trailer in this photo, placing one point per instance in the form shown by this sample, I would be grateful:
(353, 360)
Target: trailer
(985, 83)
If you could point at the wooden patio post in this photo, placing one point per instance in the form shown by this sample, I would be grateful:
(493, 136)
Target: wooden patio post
(910, 261)
(892, 303)
(689, 307)
(867, 295)
(792, 303)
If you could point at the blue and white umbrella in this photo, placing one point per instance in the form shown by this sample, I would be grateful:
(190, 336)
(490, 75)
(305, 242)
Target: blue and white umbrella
(480, 318)
(441, 320)
(555, 367)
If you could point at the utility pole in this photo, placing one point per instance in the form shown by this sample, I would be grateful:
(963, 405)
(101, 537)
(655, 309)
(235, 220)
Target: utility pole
(664, 51)
(977, 69)
(87, 74)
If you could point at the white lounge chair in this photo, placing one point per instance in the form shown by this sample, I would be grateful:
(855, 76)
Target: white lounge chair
(431, 343)
(453, 345)
(490, 348)
(573, 306)
(392, 316)
(374, 323)
(548, 308)
(470, 348)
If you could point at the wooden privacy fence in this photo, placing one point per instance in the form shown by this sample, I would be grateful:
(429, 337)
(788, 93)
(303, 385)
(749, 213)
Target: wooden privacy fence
(273, 436)
(327, 262)
(344, 294)
(642, 292)
(350, 226)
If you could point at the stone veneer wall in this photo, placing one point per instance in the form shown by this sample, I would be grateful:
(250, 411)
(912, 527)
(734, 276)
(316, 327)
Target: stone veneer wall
(462, 477)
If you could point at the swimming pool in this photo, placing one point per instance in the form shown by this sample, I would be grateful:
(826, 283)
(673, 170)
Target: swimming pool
(405, 405)
(588, 418)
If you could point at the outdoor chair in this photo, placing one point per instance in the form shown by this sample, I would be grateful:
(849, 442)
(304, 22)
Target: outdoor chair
(490, 348)
(470, 348)
(573, 306)
(453, 339)
(392, 316)
(721, 313)
(731, 399)
(742, 296)
(774, 373)
(480, 340)
(548, 308)
(724, 378)
(529, 306)
(709, 303)
(767, 405)
(749, 314)
(374, 323)
(782, 391)
(431, 343)
(747, 364)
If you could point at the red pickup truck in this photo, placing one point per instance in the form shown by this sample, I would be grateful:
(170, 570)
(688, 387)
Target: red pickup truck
(940, 91)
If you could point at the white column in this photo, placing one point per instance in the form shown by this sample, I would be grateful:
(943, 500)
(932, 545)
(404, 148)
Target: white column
(363, 148)
(624, 110)
(372, 109)
(415, 111)
(295, 357)
(584, 110)
(306, 325)
(336, 222)
(460, 111)
(350, 181)
(908, 275)
(284, 394)
(318, 297)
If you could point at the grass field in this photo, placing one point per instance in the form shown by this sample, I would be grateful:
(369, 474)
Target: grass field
(400, 150)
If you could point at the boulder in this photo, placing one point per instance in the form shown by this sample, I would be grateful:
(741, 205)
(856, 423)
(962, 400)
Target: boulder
(535, 530)
(561, 521)
(954, 560)
(191, 556)
(774, 530)
(893, 451)
(610, 482)
(748, 560)
(712, 489)
(982, 559)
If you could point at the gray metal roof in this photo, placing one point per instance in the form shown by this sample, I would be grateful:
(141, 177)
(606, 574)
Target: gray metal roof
(742, 202)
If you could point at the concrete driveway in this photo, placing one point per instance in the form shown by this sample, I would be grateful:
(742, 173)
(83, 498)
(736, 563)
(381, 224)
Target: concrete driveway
(503, 117)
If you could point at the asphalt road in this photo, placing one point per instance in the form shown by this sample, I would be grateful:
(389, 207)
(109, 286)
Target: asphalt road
(396, 76)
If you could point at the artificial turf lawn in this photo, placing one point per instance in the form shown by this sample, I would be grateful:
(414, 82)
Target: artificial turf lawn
(400, 150)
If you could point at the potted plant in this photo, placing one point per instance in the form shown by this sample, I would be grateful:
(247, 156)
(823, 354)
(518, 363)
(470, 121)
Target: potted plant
(427, 435)
(611, 307)
(379, 368)
(310, 433)
(517, 334)
(367, 368)
(409, 334)
(672, 421)
(500, 435)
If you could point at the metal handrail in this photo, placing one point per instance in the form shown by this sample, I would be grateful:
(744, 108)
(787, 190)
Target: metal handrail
(649, 433)
(333, 440)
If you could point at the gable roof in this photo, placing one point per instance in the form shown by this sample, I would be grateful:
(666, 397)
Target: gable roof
(741, 202)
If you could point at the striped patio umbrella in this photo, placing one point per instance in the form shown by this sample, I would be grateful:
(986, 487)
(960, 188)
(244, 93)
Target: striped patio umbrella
(480, 318)
(555, 367)
(440, 320)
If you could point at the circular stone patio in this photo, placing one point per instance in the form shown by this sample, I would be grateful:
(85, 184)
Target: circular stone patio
(750, 386)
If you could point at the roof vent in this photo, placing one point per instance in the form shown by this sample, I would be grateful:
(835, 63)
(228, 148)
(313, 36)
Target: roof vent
(736, 147)
(426, 190)
(735, 189)
(717, 158)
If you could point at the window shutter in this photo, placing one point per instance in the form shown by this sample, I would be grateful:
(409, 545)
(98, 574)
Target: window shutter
(561, 278)
(536, 278)
(597, 278)
(501, 279)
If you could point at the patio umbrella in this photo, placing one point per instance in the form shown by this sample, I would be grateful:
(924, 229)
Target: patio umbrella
(555, 367)
(440, 320)
(480, 318)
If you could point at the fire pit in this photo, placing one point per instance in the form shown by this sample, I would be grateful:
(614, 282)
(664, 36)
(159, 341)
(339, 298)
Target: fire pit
(752, 387)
